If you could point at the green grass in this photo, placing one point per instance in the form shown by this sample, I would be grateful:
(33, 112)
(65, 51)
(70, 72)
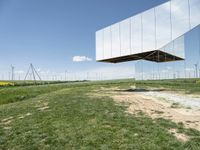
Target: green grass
(175, 105)
(20, 93)
(14, 94)
(73, 120)
(189, 86)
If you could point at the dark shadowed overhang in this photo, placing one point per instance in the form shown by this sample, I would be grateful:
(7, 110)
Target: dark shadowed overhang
(155, 56)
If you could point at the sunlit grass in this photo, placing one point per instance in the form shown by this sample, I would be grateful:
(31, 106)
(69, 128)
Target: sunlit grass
(63, 116)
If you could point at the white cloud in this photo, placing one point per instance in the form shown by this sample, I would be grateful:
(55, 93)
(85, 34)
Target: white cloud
(81, 58)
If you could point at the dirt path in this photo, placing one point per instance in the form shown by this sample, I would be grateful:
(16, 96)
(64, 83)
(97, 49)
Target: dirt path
(192, 101)
(156, 106)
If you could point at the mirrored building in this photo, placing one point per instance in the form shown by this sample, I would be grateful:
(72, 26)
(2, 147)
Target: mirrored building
(164, 40)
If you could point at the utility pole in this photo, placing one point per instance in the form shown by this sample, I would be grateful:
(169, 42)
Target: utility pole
(32, 73)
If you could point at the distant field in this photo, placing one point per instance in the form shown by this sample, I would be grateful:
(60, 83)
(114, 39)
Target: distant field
(64, 116)
(29, 83)
(188, 85)
(23, 91)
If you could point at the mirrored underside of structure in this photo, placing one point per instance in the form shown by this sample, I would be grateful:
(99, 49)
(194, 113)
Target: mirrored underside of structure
(146, 36)
(154, 56)
(164, 41)
(187, 68)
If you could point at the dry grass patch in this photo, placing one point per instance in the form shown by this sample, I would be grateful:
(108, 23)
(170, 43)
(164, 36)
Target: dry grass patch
(6, 123)
(24, 115)
(179, 136)
(42, 106)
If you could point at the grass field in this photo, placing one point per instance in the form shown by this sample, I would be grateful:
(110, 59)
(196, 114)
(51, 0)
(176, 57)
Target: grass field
(63, 116)
(188, 85)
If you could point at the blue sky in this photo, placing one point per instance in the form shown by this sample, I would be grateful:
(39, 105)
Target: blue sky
(49, 33)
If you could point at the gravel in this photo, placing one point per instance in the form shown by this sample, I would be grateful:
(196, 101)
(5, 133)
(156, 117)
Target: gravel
(184, 100)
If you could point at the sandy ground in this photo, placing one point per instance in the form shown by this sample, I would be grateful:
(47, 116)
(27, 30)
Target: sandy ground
(159, 104)
(157, 108)
(192, 101)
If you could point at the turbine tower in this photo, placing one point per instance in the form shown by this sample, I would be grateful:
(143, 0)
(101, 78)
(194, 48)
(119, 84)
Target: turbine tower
(12, 72)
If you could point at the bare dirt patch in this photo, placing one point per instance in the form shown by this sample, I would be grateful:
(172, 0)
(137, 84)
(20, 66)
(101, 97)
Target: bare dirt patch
(180, 136)
(28, 114)
(7, 119)
(24, 115)
(153, 106)
(6, 123)
(43, 106)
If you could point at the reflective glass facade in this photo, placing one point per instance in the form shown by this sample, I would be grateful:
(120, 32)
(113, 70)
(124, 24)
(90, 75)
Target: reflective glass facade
(188, 68)
(149, 30)
(172, 28)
